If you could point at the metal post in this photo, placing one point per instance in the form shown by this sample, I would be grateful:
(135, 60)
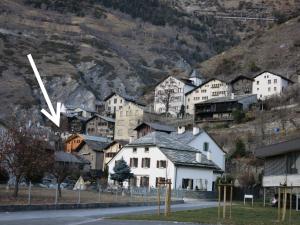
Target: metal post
(29, 193)
(56, 195)
(219, 200)
(279, 200)
(231, 192)
(224, 206)
(284, 203)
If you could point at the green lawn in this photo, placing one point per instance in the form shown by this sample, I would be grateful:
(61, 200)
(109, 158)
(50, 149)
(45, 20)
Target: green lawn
(241, 215)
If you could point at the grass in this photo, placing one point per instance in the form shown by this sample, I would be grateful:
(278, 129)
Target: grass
(47, 196)
(241, 215)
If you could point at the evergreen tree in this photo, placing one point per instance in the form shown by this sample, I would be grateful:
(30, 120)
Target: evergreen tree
(122, 171)
(240, 149)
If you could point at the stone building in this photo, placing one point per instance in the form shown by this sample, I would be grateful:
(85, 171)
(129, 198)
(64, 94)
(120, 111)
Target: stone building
(100, 126)
(241, 85)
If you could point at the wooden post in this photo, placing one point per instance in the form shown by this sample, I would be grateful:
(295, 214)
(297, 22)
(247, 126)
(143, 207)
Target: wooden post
(219, 198)
(278, 202)
(284, 204)
(224, 206)
(158, 199)
(231, 190)
(264, 197)
(168, 199)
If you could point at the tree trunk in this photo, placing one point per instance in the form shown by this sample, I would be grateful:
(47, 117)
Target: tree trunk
(16, 190)
(59, 190)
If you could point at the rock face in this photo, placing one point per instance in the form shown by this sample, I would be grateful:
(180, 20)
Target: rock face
(82, 57)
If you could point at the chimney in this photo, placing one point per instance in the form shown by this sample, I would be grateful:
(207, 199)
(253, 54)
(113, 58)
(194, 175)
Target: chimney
(196, 130)
(232, 96)
(198, 157)
(208, 155)
(181, 130)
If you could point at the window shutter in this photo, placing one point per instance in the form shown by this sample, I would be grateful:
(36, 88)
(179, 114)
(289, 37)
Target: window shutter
(143, 162)
(157, 164)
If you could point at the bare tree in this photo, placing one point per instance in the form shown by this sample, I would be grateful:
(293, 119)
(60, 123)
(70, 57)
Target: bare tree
(24, 154)
(166, 93)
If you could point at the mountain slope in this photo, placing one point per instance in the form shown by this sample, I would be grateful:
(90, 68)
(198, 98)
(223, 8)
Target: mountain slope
(277, 50)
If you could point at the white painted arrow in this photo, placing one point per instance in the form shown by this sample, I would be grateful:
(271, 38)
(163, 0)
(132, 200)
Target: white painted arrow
(54, 117)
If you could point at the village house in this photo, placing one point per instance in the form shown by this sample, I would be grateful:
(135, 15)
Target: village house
(282, 163)
(73, 123)
(221, 109)
(112, 149)
(128, 118)
(74, 141)
(159, 157)
(169, 94)
(148, 127)
(77, 111)
(267, 84)
(99, 125)
(241, 85)
(92, 150)
(115, 102)
(212, 88)
(201, 140)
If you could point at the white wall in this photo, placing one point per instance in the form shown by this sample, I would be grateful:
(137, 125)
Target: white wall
(212, 89)
(110, 103)
(271, 181)
(154, 153)
(179, 95)
(217, 154)
(196, 174)
(264, 89)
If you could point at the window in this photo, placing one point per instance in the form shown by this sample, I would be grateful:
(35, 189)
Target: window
(275, 88)
(187, 184)
(120, 107)
(205, 146)
(258, 89)
(161, 164)
(257, 82)
(269, 81)
(134, 162)
(115, 100)
(146, 149)
(134, 150)
(144, 182)
(145, 162)
(275, 81)
(269, 89)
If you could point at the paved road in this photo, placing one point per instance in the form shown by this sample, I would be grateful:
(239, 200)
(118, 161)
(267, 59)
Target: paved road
(91, 216)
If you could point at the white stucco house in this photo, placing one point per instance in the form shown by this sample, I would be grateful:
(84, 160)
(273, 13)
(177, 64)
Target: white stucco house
(159, 156)
(267, 84)
(212, 88)
(171, 91)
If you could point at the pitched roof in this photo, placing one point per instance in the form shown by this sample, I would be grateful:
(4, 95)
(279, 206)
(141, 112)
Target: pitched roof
(185, 81)
(158, 127)
(96, 145)
(61, 156)
(196, 74)
(279, 148)
(283, 77)
(204, 84)
(236, 98)
(121, 142)
(106, 118)
(94, 138)
(241, 77)
(178, 152)
(185, 137)
(126, 97)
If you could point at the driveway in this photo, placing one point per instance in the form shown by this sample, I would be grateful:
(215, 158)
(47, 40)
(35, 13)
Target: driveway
(92, 216)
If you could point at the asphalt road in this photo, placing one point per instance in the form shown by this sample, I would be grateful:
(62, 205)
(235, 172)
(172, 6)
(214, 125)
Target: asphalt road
(92, 216)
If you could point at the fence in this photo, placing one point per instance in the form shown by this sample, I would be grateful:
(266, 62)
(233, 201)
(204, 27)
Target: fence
(34, 194)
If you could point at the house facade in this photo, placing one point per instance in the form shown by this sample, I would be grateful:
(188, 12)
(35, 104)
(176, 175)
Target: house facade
(99, 125)
(157, 156)
(170, 95)
(282, 163)
(212, 88)
(148, 127)
(267, 84)
(112, 149)
(241, 85)
(221, 109)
